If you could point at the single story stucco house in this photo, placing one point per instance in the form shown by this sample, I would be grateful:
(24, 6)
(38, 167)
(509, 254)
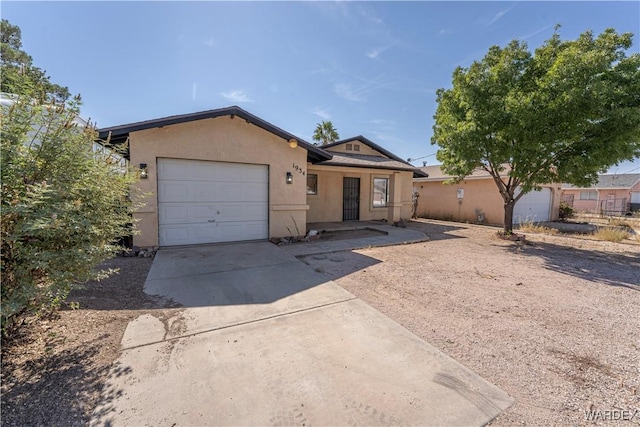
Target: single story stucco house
(226, 175)
(476, 199)
(613, 193)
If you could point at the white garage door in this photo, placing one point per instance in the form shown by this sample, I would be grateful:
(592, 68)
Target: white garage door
(534, 206)
(211, 202)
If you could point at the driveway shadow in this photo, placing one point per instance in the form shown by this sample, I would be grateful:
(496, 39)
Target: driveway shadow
(56, 388)
(613, 269)
(436, 230)
(333, 265)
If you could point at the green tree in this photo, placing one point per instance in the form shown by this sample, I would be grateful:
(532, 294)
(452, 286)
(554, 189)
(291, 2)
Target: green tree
(64, 203)
(325, 133)
(18, 72)
(564, 113)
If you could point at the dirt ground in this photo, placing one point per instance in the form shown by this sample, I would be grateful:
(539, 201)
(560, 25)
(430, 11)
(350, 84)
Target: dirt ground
(554, 323)
(54, 372)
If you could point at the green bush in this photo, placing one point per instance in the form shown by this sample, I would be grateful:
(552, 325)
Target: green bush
(566, 210)
(64, 205)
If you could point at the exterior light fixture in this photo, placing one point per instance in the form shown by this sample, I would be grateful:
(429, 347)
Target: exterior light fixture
(293, 143)
(143, 171)
(289, 178)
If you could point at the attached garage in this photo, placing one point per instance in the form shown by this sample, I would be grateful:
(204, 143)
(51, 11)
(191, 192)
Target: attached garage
(211, 202)
(215, 176)
(534, 206)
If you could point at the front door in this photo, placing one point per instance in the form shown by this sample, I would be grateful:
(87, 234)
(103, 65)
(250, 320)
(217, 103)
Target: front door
(351, 199)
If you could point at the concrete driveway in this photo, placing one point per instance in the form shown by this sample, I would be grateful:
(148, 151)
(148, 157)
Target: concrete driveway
(265, 340)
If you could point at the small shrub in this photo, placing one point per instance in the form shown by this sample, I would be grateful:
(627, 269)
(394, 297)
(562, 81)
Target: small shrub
(64, 206)
(530, 227)
(611, 234)
(566, 211)
(618, 222)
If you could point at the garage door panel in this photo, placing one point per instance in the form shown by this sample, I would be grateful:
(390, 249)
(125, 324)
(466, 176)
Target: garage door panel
(198, 191)
(187, 234)
(209, 202)
(253, 230)
(173, 214)
(533, 207)
(219, 212)
(241, 211)
(187, 191)
(243, 192)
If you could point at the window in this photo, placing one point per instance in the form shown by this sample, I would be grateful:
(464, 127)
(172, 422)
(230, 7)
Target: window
(356, 147)
(312, 184)
(588, 195)
(380, 192)
(349, 147)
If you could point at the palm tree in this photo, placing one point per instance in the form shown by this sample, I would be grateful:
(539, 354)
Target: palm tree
(325, 133)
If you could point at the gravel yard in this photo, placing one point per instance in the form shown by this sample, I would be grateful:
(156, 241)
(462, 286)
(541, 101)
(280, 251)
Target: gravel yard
(555, 323)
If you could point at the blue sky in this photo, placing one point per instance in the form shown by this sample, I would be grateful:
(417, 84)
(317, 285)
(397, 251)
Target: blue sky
(372, 68)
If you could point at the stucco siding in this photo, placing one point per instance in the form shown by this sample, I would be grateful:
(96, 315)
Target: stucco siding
(326, 206)
(602, 194)
(480, 196)
(227, 140)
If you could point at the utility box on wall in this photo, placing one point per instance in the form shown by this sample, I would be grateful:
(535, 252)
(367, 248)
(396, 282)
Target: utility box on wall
(460, 193)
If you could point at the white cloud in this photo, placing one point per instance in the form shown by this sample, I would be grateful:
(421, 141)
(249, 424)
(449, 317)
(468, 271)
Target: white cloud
(344, 90)
(499, 15)
(383, 123)
(322, 113)
(445, 31)
(369, 15)
(236, 96)
(535, 33)
(209, 42)
(375, 53)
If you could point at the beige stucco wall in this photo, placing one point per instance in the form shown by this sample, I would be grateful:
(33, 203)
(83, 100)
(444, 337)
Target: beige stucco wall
(326, 206)
(440, 201)
(229, 140)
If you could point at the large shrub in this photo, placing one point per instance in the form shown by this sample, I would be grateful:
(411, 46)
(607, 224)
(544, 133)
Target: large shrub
(64, 205)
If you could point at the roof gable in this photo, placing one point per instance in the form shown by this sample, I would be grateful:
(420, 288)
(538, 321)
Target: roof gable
(361, 139)
(381, 159)
(119, 134)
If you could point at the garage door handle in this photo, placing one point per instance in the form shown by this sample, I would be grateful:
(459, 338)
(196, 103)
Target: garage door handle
(212, 220)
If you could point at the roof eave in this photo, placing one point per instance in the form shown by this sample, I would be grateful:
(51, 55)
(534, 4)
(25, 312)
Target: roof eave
(119, 134)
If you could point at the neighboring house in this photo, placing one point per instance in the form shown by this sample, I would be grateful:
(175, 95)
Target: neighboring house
(226, 175)
(613, 194)
(476, 199)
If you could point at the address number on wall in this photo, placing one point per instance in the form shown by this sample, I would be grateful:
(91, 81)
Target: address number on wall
(299, 169)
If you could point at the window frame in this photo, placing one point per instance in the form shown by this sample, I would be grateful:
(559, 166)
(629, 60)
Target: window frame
(309, 175)
(385, 202)
(589, 194)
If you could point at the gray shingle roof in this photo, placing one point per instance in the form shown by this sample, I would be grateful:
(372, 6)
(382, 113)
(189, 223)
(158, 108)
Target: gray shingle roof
(366, 161)
(623, 181)
(391, 161)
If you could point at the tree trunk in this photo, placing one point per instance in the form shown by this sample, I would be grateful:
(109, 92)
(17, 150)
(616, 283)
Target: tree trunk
(508, 216)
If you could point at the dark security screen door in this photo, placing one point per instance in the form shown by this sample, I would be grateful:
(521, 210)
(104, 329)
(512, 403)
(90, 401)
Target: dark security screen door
(351, 199)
